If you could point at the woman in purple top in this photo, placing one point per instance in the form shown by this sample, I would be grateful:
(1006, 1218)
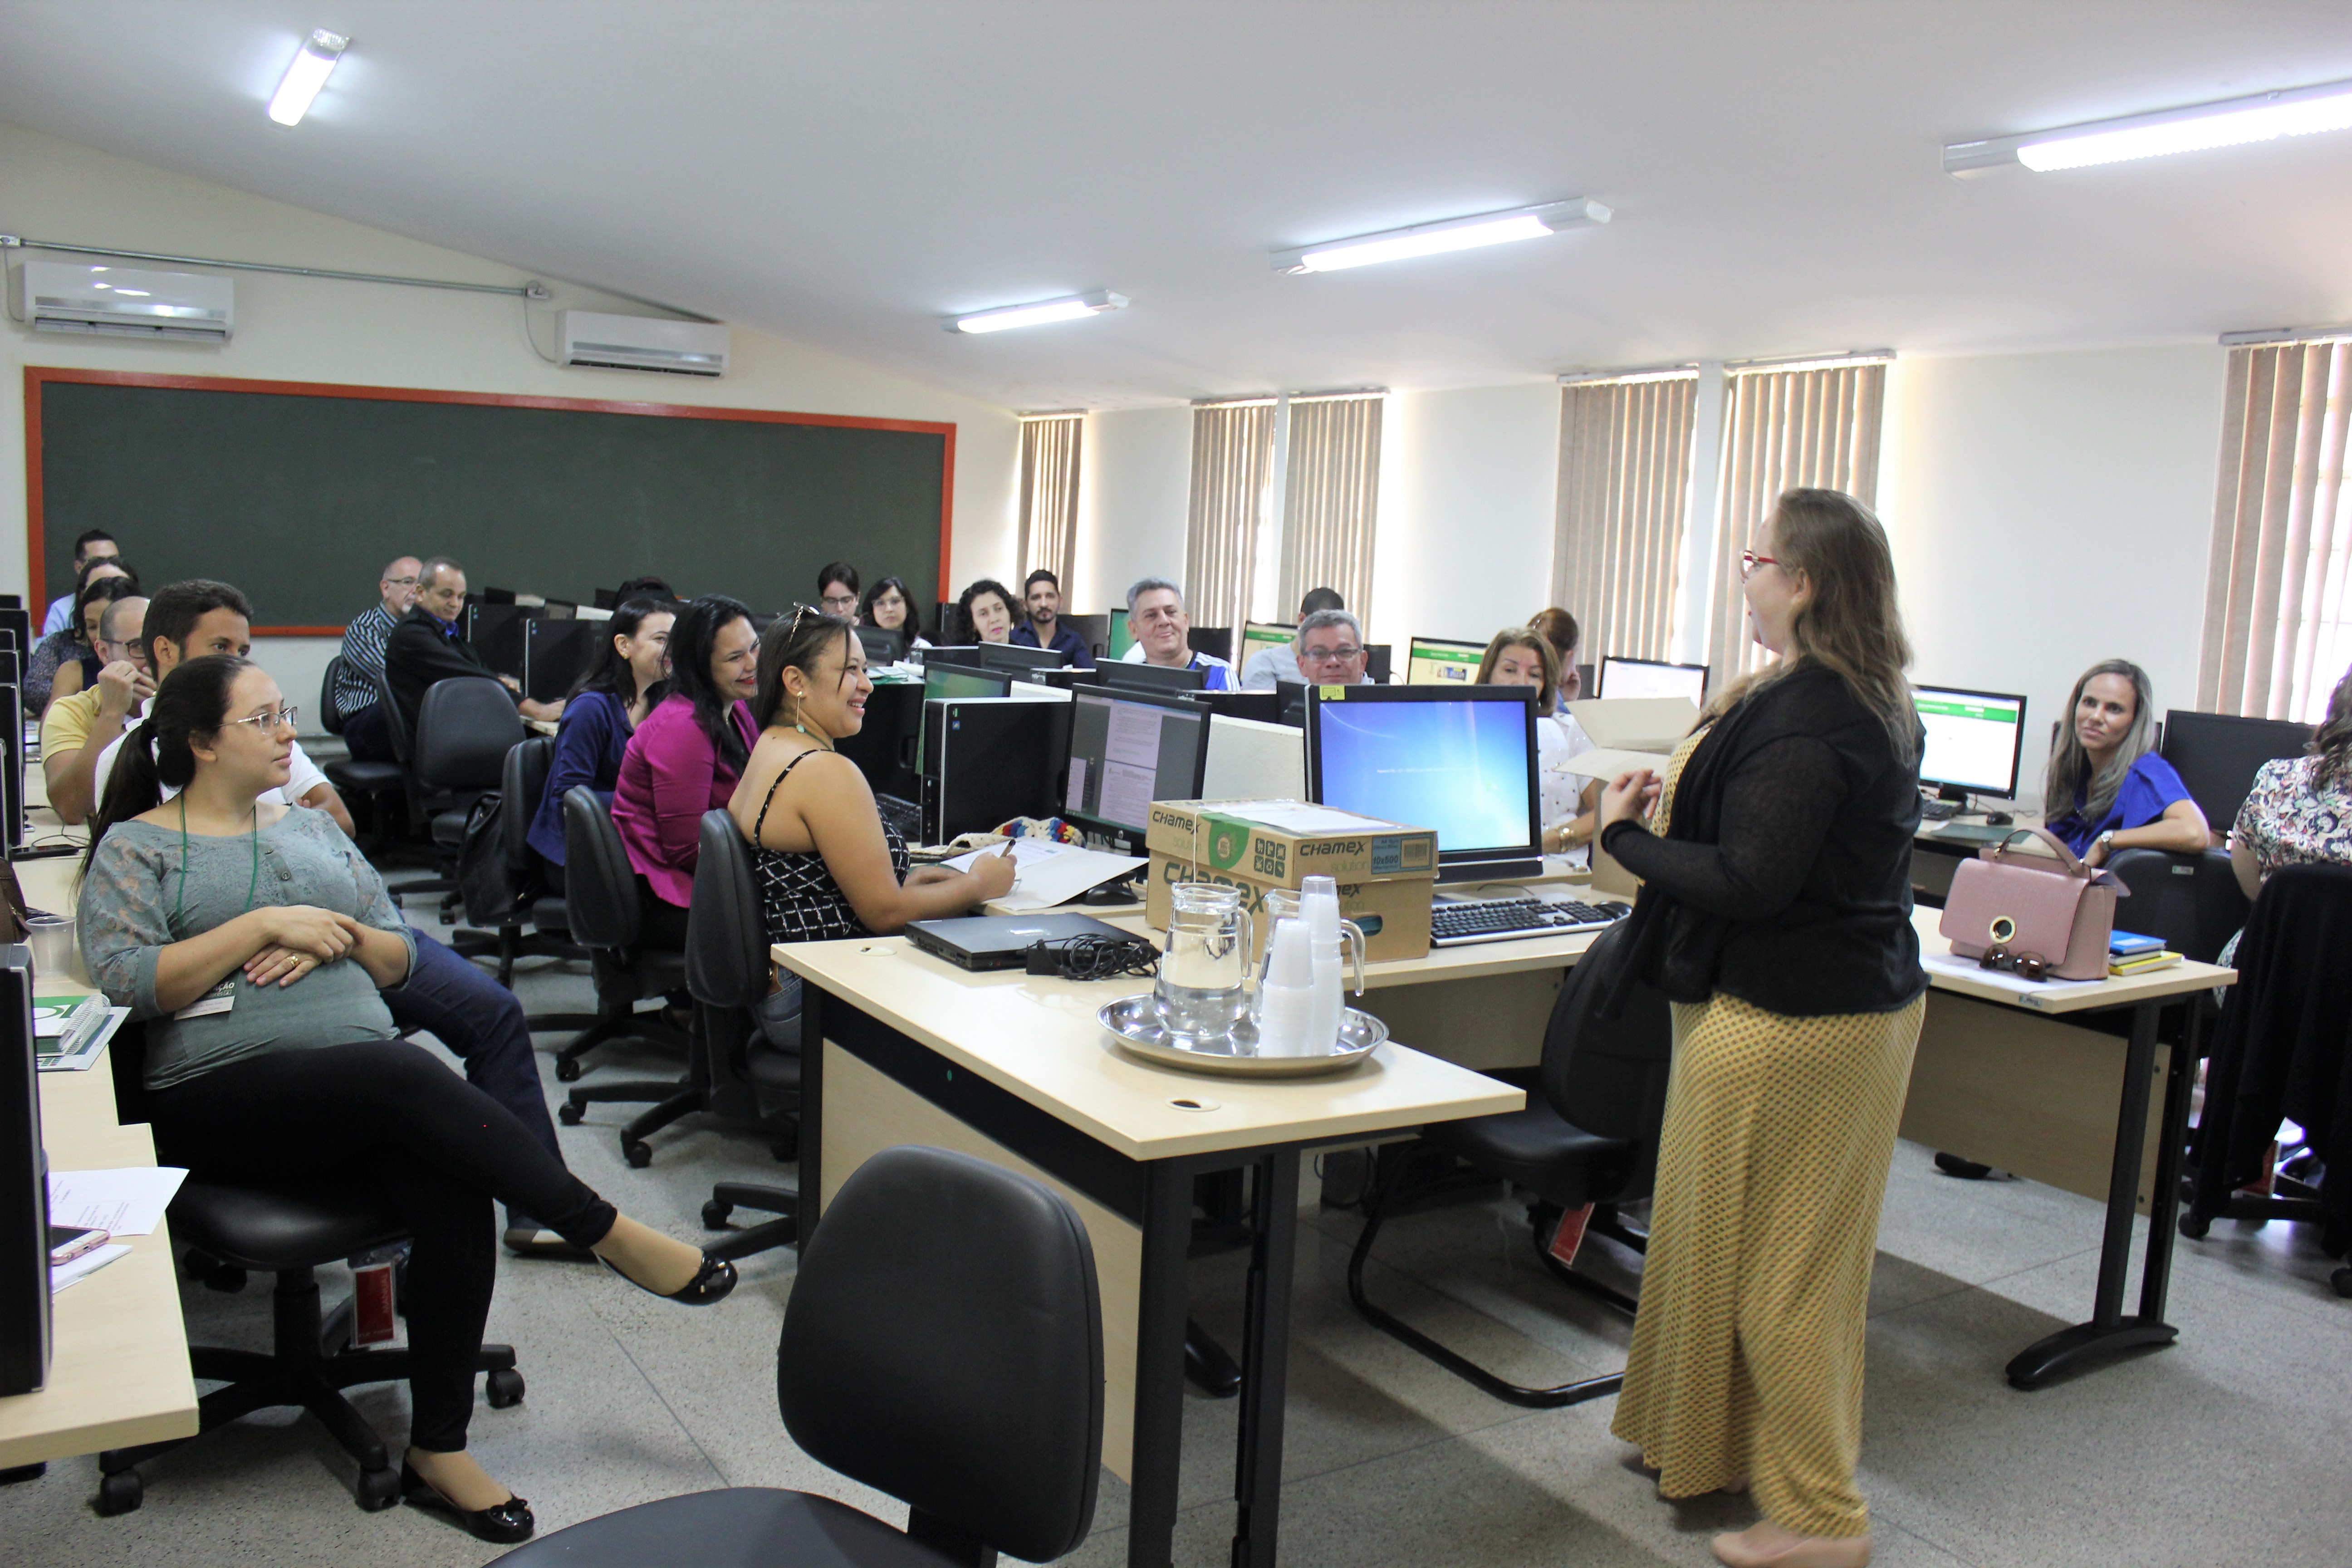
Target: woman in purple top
(684, 758)
(603, 711)
(2107, 788)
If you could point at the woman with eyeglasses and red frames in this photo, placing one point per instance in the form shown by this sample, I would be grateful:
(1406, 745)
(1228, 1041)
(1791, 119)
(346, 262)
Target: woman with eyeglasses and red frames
(252, 942)
(1775, 915)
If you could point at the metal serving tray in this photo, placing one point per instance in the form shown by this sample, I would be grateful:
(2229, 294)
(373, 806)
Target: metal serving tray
(1137, 1024)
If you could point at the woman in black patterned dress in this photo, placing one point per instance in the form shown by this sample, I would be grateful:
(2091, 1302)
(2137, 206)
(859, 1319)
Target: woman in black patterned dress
(826, 863)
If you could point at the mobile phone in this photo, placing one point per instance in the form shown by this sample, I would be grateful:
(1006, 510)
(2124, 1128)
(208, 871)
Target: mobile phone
(67, 1242)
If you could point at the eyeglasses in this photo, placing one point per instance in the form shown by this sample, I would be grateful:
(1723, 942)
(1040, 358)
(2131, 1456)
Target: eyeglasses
(1749, 561)
(402, 581)
(1330, 655)
(2025, 965)
(265, 723)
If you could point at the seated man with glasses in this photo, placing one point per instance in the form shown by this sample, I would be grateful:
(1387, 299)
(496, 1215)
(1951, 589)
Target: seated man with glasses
(1330, 650)
(189, 620)
(79, 727)
(367, 731)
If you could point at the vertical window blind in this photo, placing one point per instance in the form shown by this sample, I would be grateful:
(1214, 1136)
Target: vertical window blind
(1049, 492)
(1623, 500)
(1786, 427)
(1332, 500)
(1233, 461)
(2278, 630)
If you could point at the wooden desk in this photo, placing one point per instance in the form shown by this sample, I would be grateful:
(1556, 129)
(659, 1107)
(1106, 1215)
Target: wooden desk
(119, 1363)
(1016, 1069)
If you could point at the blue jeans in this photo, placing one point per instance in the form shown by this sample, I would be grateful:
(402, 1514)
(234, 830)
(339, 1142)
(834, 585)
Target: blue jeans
(480, 1021)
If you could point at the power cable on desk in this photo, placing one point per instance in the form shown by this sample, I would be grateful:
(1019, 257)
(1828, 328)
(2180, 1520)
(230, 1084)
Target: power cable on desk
(1094, 957)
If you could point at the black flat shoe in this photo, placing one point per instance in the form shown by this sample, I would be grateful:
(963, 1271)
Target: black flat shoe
(709, 1284)
(504, 1525)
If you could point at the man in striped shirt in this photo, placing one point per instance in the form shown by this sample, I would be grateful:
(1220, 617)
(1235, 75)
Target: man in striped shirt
(366, 729)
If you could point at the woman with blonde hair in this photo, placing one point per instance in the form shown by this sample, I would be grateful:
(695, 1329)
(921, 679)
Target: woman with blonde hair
(1775, 916)
(2107, 788)
(1520, 656)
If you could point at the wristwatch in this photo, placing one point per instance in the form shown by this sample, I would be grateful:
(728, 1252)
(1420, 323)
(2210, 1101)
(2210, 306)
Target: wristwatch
(2107, 843)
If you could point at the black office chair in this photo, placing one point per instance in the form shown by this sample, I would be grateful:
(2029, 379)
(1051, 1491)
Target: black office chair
(748, 1078)
(376, 784)
(943, 1343)
(2284, 1049)
(600, 899)
(507, 893)
(2192, 902)
(1589, 1136)
(234, 1230)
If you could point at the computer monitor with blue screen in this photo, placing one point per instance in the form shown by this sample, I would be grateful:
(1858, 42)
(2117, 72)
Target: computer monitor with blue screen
(1652, 677)
(1435, 661)
(1974, 740)
(1458, 759)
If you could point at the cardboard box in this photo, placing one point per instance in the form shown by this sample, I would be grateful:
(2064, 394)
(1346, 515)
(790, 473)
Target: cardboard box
(1628, 733)
(1386, 871)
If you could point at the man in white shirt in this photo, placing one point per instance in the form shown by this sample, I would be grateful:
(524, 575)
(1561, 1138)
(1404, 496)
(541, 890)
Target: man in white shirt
(189, 620)
(1270, 667)
(96, 545)
(1162, 633)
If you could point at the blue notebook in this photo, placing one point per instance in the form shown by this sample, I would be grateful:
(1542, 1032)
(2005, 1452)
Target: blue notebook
(2124, 944)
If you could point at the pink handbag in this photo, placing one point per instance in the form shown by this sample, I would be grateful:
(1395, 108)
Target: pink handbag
(2055, 909)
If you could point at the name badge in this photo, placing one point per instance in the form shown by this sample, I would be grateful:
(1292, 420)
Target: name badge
(219, 999)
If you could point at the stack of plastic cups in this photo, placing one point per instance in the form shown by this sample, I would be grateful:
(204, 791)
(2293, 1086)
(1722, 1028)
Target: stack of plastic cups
(1319, 907)
(1286, 1002)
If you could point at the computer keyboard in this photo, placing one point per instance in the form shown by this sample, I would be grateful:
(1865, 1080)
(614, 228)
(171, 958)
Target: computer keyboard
(1501, 920)
(903, 814)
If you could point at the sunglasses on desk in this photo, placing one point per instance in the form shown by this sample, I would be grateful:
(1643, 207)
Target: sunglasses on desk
(2025, 965)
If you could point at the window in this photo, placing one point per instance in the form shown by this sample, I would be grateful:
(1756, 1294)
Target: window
(1049, 491)
(1623, 507)
(1285, 498)
(2278, 632)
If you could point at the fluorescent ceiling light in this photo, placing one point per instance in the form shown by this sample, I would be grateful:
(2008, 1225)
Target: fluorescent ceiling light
(1068, 308)
(2232, 123)
(1435, 238)
(312, 65)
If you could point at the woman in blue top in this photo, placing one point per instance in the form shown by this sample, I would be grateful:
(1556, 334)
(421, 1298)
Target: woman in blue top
(2107, 788)
(619, 690)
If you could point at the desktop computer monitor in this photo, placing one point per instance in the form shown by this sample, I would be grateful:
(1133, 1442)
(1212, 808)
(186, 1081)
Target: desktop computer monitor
(1151, 677)
(1118, 638)
(1259, 636)
(1974, 740)
(1652, 677)
(884, 747)
(1217, 642)
(1435, 661)
(1093, 630)
(556, 654)
(1015, 659)
(497, 633)
(1458, 759)
(882, 645)
(2216, 755)
(1129, 749)
(941, 679)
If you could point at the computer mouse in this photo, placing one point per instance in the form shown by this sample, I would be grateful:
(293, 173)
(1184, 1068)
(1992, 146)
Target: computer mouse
(1119, 893)
(1998, 819)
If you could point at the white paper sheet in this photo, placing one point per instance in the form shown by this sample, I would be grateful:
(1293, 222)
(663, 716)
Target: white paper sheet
(1944, 963)
(1294, 815)
(129, 1202)
(77, 1269)
(1050, 874)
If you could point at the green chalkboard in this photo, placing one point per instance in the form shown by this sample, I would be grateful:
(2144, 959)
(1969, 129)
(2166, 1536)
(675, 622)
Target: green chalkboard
(299, 495)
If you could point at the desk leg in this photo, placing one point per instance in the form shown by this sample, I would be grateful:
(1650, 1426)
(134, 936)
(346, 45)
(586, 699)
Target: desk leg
(2109, 1330)
(1159, 1366)
(2164, 1201)
(811, 1185)
(1265, 1358)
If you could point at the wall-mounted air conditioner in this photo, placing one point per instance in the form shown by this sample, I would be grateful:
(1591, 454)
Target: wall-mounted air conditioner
(125, 301)
(644, 342)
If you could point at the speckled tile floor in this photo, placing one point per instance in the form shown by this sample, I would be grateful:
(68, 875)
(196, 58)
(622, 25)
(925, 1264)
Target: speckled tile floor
(2226, 1447)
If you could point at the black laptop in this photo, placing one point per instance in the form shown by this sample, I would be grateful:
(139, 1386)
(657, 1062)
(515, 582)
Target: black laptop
(1003, 942)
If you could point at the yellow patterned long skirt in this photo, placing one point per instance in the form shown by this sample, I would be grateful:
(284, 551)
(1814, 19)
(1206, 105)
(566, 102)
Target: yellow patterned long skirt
(1748, 1351)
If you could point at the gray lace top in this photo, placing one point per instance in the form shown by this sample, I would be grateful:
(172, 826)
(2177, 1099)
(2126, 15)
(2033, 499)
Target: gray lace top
(135, 901)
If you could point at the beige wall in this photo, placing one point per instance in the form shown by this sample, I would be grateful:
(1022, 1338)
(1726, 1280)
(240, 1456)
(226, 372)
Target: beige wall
(298, 328)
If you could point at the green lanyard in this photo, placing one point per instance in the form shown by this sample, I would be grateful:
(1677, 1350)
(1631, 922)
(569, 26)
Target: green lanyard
(180, 908)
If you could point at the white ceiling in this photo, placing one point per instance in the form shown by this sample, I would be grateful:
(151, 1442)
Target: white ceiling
(844, 174)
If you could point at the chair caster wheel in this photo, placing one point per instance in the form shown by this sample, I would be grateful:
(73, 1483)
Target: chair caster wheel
(786, 1149)
(225, 1278)
(570, 1114)
(503, 1389)
(2342, 1280)
(1966, 1170)
(2195, 1225)
(377, 1490)
(567, 1070)
(120, 1493)
(637, 1153)
(714, 1214)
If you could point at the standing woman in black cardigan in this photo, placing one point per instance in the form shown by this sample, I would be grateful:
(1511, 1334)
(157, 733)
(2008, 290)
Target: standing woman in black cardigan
(1775, 915)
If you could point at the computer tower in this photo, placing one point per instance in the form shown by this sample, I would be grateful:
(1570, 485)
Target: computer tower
(25, 1334)
(986, 761)
(497, 632)
(884, 748)
(1376, 662)
(556, 654)
(1093, 630)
